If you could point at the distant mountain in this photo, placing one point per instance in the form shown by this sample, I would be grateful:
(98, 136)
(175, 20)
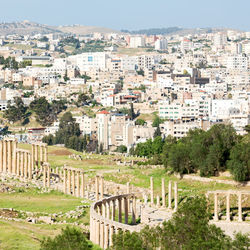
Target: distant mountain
(26, 28)
(31, 28)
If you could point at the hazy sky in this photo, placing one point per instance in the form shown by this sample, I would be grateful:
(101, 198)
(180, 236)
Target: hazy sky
(130, 14)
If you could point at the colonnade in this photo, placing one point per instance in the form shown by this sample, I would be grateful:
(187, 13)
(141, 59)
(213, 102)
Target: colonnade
(36, 150)
(8, 155)
(74, 182)
(228, 195)
(110, 215)
(162, 203)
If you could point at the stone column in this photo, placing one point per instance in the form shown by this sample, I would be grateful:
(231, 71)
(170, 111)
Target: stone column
(134, 211)
(46, 153)
(175, 196)
(1, 156)
(44, 176)
(73, 182)
(78, 184)
(158, 201)
(82, 184)
(41, 155)
(163, 193)
(239, 207)
(102, 187)
(106, 236)
(125, 209)
(97, 240)
(152, 190)
(69, 181)
(29, 167)
(32, 156)
(113, 210)
(111, 232)
(119, 210)
(18, 163)
(14, 147)
(97, 188)
(65, 181)
(102, 235)
(25, 164)
(36, 155)
(108, 210)
(228, 207)
(22, 162)
(216, 218)
(9, 157)
(128, 187)
(4, 156)
(48, 177)
(170, 194)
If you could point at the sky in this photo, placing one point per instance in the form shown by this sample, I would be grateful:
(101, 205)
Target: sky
(130, 14)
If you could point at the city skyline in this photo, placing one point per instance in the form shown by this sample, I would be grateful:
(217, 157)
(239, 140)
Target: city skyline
(185, 14)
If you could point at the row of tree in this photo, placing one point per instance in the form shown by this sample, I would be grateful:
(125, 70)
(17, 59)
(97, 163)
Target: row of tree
(207, 152)
(46, 113)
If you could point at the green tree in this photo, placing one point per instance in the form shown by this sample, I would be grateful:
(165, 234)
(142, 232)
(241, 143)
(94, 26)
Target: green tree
(69, 239)
(16, 112)
(239, 163)
(140, 122)
(157, 121)
(131, 112)
(157, 132)
(121, 149)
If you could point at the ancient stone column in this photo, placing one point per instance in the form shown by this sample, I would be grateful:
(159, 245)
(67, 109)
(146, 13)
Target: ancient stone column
(134, 211)
(97, 240)
(97, 188)
(175, 196)
(44, 176)
(22, 163)
(111, 232)
(36, 156)
(65, 180)
(119, 210)
(113, 210)
(48, 176)
(106, 236)
(32, 156)
(73, 182)
(9, 157)
(240, 207)
(102, 235)
(4, 156)
(82, 184)
(14, 147)
(46, 153)
(216, 218)
(108, 210)
(1, 156)
(78, 184)
(128, 187)
(125, 209)
(163, 193)
(29, 167)
(18, 163)
(158, 201)
(69, 181)
(228, 207)
(25, 164)
(170, 194)
(41, 155)
(102, 187)
(152, 190)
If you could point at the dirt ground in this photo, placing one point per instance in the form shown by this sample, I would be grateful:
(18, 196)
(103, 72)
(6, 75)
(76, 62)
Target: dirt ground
(60, 152)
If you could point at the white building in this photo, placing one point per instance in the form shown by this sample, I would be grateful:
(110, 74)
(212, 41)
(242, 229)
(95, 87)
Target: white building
(137, 41)
(239, 62)
(161, 44)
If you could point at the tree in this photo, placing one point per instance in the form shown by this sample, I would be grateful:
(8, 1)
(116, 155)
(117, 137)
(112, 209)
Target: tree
(157, 132)
(157, 121)
(239, 163)
(121, 149)
(131, 112)
(16, 112)
(69, 239)
(140, 122)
